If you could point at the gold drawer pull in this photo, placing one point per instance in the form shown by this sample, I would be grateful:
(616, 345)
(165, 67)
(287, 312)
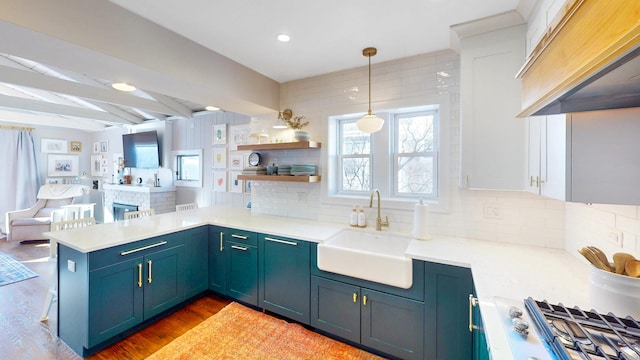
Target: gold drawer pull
(239, 248)
(142, 248)
(281, 241)
(239, 236)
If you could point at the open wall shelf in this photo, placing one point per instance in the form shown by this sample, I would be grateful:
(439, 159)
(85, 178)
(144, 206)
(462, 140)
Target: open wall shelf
(282, 146)
(297, 178)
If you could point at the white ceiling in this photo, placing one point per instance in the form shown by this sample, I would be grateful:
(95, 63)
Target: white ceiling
(326, 36)
(59, 57)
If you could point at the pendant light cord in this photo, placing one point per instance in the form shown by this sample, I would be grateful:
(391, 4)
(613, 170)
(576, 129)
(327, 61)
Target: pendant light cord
(369, 84)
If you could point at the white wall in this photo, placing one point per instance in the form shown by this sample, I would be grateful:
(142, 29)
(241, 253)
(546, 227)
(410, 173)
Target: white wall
(50, 132)
(526, 218)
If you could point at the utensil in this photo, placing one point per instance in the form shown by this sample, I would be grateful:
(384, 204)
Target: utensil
(632, 267)
(601, 255)
(594, 260)
(619, 261)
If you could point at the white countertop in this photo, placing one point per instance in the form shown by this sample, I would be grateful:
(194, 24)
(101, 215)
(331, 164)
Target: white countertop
(499, 269)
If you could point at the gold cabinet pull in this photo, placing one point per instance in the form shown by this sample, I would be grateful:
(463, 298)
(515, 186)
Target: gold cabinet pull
(239, 236)
(149, 265)
(140, 275)
(364, 300)
(239, 248)
(281, 241)
(124, 253)
(355, 297)
(221, 238)
(472, 302)
(540, 181)
(532, 181)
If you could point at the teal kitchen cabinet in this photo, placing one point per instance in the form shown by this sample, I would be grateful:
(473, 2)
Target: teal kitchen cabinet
(217, 263)
(447, 290)
(284, 269)
(480, 347)
(104, 293)
(388, 323)
(241, 257)
(196, 259)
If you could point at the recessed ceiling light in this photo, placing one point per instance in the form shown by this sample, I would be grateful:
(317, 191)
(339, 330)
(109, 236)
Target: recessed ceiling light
(283, 38)
(123, 87)
(211, 108)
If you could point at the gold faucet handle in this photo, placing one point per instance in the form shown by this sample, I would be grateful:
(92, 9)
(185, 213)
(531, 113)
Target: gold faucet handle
(385, 222)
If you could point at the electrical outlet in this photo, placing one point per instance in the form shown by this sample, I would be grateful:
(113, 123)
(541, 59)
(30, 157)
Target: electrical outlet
(492, 212)
(615, 236)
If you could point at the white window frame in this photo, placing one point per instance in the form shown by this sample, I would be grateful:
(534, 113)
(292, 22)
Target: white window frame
(188, 183)
(330, 186)
(341, 157)
(433, 154)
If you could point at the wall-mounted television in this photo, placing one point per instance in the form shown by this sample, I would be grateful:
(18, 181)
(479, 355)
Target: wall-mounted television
(141, 150)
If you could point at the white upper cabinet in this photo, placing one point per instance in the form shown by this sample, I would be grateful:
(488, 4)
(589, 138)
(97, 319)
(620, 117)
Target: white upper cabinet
(493, 140)
(540, 20)
(547, 156)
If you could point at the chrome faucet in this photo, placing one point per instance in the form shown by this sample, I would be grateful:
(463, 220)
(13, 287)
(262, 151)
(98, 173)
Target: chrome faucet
(379, 222)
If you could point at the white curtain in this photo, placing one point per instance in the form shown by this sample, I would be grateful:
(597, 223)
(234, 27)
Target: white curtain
(19, 179)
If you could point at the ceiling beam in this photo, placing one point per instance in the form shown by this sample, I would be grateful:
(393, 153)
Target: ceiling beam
(104, 41)
(38, 81)
(185, 111)
(16, 103)
(47, 120)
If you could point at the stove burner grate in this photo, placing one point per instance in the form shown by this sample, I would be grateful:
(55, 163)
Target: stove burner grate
(588, 334)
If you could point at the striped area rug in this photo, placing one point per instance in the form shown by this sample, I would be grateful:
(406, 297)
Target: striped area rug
(12, 271)
(237, 332)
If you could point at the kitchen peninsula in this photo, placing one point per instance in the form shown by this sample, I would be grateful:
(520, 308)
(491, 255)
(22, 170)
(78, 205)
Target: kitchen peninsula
(498, 269)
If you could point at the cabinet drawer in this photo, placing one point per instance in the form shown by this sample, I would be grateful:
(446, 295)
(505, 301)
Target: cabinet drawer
(240, 236)
(106, 257)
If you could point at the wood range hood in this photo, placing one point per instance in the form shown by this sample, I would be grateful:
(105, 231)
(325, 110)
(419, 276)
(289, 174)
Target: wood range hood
(587, 60)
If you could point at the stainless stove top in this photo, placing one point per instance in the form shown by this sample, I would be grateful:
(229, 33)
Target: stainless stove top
(548, 331)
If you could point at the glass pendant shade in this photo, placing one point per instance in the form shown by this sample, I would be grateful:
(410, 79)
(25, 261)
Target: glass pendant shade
(370, 123)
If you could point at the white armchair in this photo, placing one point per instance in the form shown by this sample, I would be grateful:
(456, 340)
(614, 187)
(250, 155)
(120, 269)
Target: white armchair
(29, 224)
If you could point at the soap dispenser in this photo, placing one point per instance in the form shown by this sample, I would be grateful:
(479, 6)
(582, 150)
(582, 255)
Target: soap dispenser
(362, 218)
(353, 221)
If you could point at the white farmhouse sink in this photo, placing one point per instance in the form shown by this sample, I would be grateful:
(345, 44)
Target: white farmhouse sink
(373, 256)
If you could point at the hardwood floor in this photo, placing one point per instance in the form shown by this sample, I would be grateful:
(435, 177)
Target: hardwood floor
(23, 336)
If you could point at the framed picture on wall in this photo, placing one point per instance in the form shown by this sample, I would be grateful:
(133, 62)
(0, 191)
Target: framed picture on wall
(236, 161)
(75, 146)
(54, 146)
(96, 165)
(104, 146)
(220, 158)
(235, 185)
(238, 135)
(220, 134)
(220, 181)
(63, 165)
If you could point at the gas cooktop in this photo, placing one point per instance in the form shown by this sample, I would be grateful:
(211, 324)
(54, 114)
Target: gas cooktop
(550, 331)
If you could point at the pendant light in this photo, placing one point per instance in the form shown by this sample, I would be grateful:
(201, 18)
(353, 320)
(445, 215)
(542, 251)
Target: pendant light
(281, 121)
(370, 123)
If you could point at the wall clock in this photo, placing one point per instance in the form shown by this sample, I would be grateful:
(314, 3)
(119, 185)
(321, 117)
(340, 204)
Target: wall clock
(255, 159)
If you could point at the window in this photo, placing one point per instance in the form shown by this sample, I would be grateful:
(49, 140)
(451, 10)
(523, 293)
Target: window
(403, 160)
(415, 154)
(188, 167)
(355, 158)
